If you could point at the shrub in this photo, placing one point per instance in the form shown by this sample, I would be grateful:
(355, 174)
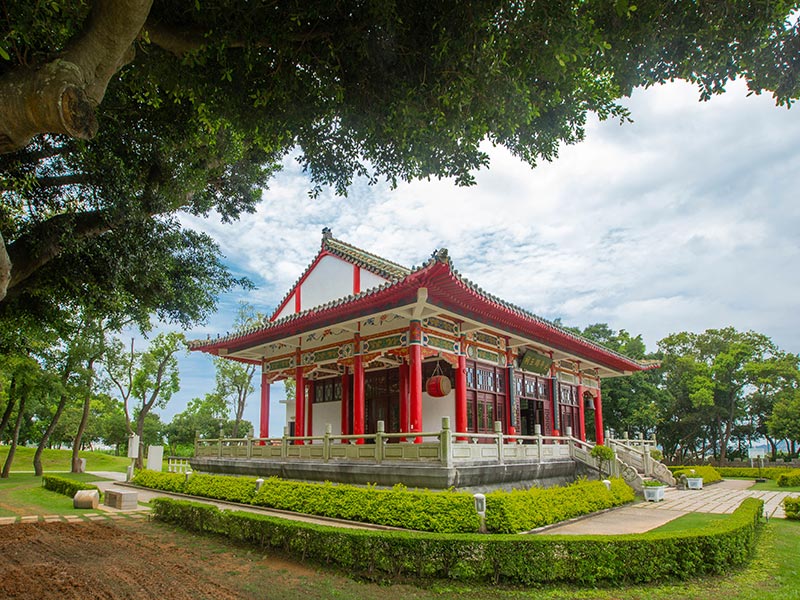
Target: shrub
(792, 507)
(230, 489)
(68, 487)
(707, 472)
(523, 510)
(789, 479)
(653, 483)
(508, 559)
(767, 472)
(443, 512)
(168, 482)
(656, 454)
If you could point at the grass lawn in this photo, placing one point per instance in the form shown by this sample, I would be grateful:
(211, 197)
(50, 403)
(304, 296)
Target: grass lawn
(60, 460)
(22, 494)
(690, 521)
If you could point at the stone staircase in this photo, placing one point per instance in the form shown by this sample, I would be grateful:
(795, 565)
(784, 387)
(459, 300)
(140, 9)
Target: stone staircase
(632, 461)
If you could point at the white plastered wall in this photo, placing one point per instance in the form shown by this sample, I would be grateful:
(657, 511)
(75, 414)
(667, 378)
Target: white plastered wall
(326, 412)
(433, 409)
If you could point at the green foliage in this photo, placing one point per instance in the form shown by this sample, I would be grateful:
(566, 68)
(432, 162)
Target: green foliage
(790, 479)
(653, 483)
(792, 507)
(168, 482)
(753, 472)
(506, 559)
(656, 454)
(707, 472)
(602, 453)
(442, 512)
(67, 487)
(523, 510)
(230, 489)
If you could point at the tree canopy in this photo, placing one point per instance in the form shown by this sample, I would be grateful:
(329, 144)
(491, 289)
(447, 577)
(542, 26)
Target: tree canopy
(140, 108)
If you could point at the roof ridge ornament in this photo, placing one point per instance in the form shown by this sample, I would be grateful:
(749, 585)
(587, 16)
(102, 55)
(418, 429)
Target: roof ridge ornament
(441, 255)
(326, 233)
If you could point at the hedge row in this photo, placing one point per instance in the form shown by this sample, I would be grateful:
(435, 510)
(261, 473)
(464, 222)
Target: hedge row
(792, 507)
(707, 472)
(440, 512)
(523, 510)
(68, 487)
(789, 479)
(511, 559)
(754, 472)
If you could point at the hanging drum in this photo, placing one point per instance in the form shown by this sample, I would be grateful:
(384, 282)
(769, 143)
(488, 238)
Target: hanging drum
(438, 385)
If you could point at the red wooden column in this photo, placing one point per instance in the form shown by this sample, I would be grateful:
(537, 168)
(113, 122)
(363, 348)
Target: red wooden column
(299, 402)
(345, 404)
(461, 393)
(310, 409)
(511, 401)
(598, 419)
(404, 400)
(415, 378)
(581, 415)
(358, 392)
(263, 428)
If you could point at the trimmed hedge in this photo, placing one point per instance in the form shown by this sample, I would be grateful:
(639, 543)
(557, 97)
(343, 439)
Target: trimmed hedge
(511, 559)
(754, 472)
(523, 510)
(421, 510)
(789, 479)
(442, 512)
(707, 472)
(791, 507)
(68, 487)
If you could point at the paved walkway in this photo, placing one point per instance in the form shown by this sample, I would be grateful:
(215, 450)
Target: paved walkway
(720, 498)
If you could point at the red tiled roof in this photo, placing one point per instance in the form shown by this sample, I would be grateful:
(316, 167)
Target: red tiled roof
(448, 290)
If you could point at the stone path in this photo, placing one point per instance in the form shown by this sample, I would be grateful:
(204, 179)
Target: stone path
(720, 498)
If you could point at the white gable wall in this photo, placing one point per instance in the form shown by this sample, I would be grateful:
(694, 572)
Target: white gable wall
(330, 279)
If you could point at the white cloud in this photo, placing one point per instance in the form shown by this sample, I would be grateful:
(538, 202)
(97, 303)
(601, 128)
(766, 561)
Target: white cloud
(684, 220)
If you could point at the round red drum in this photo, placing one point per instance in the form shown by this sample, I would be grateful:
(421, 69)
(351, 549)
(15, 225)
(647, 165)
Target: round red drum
(438, 386)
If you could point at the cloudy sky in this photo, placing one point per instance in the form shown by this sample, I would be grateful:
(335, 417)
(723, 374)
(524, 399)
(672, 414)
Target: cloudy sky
(686, 219)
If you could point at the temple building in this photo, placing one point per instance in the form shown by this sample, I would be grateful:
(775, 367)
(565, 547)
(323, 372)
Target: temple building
(372, 344)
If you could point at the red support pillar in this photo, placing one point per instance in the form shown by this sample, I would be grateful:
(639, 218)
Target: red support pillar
(511, 414)
(581, 415)
(345, 405)
(299, 402)
(404, 400)
(310, 409)
(461, 395)
(415, 378)
(263, 429)
(358, 393)
(598, 419)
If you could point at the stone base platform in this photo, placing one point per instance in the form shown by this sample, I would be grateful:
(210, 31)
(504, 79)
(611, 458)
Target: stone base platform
(466, 477)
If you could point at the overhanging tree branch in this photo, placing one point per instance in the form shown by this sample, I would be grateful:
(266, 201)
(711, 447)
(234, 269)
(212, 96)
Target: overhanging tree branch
(61, 96)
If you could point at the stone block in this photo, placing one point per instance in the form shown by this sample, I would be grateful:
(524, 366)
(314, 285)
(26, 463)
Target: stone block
(86, 499)
(122, 500)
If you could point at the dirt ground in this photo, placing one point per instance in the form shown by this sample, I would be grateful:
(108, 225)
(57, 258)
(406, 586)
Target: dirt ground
(118, 560)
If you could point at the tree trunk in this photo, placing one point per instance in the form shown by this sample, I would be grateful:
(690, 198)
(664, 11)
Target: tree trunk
(13, 448)
(140, 433)
(37, 457)
(76, 446)
(9, 409)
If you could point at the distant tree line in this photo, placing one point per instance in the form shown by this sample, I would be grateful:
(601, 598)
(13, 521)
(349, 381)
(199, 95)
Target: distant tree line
(716, 394)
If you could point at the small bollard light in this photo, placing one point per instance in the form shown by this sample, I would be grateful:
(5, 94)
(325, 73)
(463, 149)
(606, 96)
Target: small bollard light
(188, 474)
(259, 483)
(607, 483)
(480, 508)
